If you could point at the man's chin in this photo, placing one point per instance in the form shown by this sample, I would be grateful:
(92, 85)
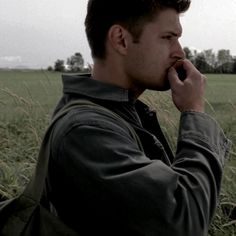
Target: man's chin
(164, 87)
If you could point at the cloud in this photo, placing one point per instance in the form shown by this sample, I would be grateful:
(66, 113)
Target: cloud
(195, 49)
(11, 59)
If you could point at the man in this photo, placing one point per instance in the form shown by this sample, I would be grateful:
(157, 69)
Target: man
(101, 180)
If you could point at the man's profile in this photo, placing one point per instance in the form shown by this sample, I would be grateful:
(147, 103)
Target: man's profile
(100, 180)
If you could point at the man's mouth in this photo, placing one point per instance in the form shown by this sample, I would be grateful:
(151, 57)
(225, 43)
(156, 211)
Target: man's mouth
(178, 63)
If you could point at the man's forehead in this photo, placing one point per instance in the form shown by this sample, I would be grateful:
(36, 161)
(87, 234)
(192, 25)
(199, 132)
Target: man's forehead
(174, 30)
(168, 20)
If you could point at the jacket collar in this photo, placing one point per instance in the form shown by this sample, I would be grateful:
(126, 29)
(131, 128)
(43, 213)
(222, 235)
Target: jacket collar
(85, 85)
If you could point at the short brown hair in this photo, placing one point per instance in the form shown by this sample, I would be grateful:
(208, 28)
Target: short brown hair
(132, 14)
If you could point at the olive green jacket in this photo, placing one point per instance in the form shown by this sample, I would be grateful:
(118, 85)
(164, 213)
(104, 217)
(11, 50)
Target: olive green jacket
(102, 182)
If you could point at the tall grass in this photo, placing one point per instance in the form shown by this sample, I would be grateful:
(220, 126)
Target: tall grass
(27, 100)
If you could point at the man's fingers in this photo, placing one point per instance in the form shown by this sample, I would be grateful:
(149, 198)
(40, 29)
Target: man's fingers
(173, 78)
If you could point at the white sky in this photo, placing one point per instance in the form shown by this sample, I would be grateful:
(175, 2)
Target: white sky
(34, 33)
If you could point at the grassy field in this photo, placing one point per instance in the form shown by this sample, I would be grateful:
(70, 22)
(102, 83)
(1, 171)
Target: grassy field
(27, 99)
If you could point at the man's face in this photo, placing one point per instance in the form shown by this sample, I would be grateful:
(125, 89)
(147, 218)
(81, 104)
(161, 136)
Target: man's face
(148, 61)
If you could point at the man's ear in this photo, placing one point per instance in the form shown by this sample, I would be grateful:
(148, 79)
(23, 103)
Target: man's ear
(118, 38)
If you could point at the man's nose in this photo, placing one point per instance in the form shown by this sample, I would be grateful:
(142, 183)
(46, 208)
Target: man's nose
(178, 52)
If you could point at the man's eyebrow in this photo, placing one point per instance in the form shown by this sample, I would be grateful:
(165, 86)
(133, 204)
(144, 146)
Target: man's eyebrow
(174, 33)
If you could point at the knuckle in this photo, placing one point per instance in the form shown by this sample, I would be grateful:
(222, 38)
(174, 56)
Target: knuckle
(204, 78)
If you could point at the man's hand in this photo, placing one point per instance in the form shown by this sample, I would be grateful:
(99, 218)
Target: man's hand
(187, 94)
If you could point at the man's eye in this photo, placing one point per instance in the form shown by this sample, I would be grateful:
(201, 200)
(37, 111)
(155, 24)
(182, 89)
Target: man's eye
(168, 37)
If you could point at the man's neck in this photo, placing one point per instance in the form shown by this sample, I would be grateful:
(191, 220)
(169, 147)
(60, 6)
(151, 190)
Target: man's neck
(108, 73)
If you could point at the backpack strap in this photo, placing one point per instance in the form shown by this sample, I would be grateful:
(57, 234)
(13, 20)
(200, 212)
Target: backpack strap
(35, 187)
(86, 103)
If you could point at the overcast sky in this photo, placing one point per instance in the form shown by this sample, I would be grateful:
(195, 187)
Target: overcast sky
(34, 33)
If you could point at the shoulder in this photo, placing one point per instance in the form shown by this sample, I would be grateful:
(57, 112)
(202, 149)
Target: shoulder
(90, 115)
(87, 117)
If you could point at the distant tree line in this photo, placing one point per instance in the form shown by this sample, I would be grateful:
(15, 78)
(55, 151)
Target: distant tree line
(207, 61)
(74, 64)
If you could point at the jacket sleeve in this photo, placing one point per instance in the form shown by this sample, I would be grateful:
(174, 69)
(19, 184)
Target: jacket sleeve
(157, 199)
